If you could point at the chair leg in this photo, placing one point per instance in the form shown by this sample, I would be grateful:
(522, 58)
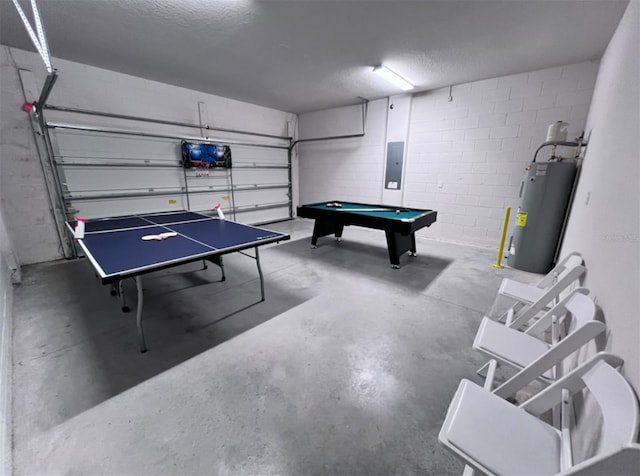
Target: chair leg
(468, 471)
(482, 371)
(488, 368)
(491, 374)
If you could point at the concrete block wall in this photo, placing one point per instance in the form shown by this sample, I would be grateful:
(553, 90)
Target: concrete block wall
(24, 199)
(6, 298)
(467, 156)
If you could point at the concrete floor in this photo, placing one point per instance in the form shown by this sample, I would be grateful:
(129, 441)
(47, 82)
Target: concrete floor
(348, 367)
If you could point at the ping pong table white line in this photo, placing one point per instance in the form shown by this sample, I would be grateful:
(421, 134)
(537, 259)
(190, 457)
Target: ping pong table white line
(95, 264)
(216, 218)
(158, 264)
(204, 218)
(196, 257)
(138, 276)
(141, 227)
(166, 226)
(104, 275)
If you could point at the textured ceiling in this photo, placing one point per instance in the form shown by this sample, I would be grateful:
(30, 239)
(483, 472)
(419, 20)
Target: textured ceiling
(307, 55)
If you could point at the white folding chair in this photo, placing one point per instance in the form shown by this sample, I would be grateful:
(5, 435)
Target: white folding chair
(533, 298)
(572, 324)
(624, 461)
(497, 438)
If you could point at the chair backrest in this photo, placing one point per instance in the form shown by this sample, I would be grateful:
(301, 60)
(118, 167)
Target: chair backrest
(550, 295)
(582, 309)
(618, 404)
(577, 304)
(564, 267)
(571, 261)
(625, 460)
(616, 400)
(582, 329)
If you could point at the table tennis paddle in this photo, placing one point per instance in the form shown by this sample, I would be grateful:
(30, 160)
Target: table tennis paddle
(160, 237)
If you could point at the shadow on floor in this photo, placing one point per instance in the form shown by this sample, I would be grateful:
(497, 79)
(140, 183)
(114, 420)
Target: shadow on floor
(78, 328)
(369, 260)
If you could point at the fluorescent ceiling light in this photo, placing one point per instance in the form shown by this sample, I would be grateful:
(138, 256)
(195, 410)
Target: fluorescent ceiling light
(393, 78)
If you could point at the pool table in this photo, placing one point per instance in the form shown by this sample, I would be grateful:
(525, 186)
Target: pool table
(398, 223)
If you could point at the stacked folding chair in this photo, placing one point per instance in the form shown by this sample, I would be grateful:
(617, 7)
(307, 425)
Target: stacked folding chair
(530, 299)
(547, 323)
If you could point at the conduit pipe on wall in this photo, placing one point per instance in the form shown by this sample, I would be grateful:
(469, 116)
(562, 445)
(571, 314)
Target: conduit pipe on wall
(364, 104)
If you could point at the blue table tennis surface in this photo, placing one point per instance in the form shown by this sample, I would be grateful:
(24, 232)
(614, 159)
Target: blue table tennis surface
(116, 248)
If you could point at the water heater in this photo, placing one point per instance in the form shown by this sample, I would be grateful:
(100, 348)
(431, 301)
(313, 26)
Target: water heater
(544, 198)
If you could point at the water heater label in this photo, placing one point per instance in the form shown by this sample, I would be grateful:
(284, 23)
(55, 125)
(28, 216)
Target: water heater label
(522, 219)
(542, 169)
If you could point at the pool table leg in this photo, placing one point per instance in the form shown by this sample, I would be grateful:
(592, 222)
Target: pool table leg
(398, 244)
(324, 228)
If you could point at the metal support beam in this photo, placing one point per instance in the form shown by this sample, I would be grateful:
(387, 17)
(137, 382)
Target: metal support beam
(46, 89)
(348, 136)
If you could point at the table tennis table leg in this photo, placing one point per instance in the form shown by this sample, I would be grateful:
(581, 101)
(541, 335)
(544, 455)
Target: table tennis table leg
(217, 260)
(143, 346)
(260, 273)
(123, 301)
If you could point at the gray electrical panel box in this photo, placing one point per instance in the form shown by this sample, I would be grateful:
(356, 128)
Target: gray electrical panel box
(393, 176)
(540, 218)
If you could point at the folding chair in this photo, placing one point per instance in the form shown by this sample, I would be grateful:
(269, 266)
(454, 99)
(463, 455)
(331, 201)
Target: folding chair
(497, 438)
(624, 461)
(533, 298)
(572, 325)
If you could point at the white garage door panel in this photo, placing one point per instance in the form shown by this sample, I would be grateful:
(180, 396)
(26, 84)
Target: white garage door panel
(83, 180)
(208, 184)
(126, 206)
(128, 148)
(206, 202)
(260, 176)
(254, 155)
(260, 197)
(263, 216)
(107, 174)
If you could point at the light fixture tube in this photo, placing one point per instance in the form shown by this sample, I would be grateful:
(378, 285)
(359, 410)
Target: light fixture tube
(393, 78)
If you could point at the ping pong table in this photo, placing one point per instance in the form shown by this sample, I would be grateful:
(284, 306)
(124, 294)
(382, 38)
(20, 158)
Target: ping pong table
(133, 245)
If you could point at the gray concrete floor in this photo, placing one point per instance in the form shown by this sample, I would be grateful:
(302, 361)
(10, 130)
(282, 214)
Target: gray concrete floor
(347, 368)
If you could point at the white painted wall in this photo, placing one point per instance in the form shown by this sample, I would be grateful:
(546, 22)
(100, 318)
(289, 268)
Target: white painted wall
(467, 156)
(345, 169)
(605, 220)
(398, 117)
(24, 199)
(7, 270)
(464, 158)
(23, 194)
